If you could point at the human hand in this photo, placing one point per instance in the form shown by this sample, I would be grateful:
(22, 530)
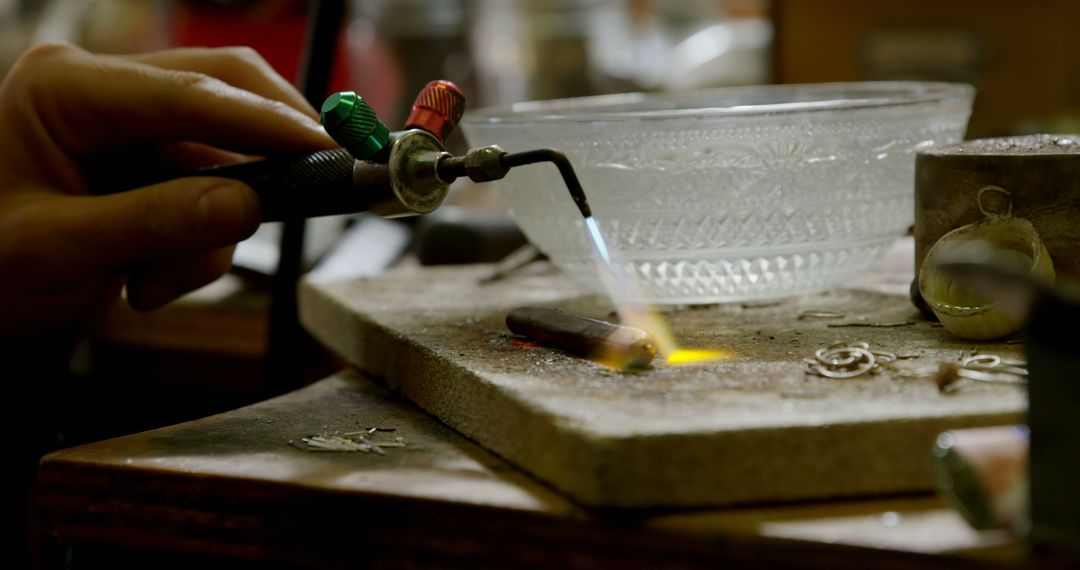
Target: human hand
(65, 113)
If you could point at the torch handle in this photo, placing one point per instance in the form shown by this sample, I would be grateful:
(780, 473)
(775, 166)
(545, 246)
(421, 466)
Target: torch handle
(303, 186)
(323, 183)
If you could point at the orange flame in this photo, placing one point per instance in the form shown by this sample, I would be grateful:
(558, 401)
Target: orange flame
(684, 356)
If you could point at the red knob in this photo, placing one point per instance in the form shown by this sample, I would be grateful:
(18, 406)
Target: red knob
(437, 109)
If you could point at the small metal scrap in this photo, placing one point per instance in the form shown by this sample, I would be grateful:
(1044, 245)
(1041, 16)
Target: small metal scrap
(349, 441)
(872, 325)
(847, 360)
(761, 304)
(802, 395)
(986, 368)
(820, 314)
(995, 363)
(516, 260)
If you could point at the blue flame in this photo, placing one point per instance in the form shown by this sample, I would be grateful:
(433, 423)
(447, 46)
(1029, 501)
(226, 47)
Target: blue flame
(597, 239)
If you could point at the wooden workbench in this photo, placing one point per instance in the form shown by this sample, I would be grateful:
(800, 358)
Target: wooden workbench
(230, 488)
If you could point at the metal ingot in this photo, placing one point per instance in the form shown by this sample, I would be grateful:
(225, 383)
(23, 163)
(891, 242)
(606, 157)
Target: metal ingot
(968, 313)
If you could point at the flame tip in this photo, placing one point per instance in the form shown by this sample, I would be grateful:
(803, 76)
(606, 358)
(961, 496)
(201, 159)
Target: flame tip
(694, 356)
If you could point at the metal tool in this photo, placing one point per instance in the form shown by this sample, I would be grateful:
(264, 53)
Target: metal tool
(983, 474)
(616, 345)
(1053, 365)
(392, 174)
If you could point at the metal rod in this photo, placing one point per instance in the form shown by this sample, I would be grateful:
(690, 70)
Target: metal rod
(565, 169)
(484, 164)
(287, 339)
(619, 346)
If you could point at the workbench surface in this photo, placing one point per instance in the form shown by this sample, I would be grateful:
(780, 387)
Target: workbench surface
(231, 487)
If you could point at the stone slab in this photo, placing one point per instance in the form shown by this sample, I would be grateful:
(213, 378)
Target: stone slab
(754, 428)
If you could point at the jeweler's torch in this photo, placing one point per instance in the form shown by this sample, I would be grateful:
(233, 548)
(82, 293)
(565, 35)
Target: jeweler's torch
(392, 174)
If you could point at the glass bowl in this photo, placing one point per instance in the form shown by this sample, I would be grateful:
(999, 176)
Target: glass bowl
(727, 194)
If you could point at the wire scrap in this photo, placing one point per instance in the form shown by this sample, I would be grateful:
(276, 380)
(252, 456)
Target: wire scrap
(349, 441)
(889, 325)
(515, 261)
(847, 360)
(985, 368)
(820, 314)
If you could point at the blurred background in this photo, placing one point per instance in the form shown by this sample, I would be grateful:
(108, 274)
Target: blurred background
(209, 352)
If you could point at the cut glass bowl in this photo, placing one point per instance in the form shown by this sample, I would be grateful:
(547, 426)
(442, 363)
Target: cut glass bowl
(727, 194)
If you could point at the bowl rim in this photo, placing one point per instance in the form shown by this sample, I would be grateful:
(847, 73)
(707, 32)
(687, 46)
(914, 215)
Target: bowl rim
(806, 98)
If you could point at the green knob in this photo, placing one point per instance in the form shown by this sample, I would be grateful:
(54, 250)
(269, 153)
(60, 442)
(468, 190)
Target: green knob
(353, 124)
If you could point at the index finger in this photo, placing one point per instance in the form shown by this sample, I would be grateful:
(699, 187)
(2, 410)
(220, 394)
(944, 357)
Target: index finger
(240, 67)
(90, 103)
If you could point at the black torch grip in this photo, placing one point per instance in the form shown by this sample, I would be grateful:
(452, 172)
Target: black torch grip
(324, 183)
(318, 184)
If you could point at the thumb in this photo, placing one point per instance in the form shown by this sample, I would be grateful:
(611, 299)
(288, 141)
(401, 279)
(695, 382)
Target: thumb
(170, 219)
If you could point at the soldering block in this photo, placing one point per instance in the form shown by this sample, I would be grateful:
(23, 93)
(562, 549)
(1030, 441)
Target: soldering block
(754, 428)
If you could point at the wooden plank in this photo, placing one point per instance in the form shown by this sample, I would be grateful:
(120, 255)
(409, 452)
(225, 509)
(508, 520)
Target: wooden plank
(230, 487)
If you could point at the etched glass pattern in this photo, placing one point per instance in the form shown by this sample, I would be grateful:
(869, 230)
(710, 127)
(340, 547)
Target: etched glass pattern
(728, 194)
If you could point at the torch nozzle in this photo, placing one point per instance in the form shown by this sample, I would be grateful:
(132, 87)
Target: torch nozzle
(489, 163)
(565, 170)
